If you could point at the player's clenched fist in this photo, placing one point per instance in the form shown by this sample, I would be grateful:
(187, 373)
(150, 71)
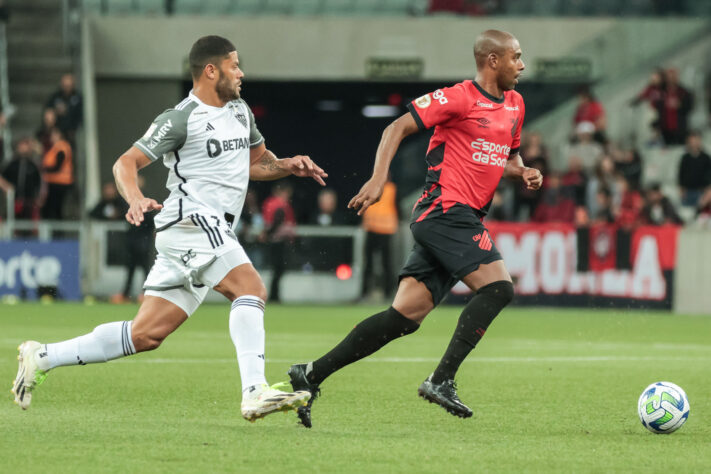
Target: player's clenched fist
(302, 166)
(368, 195)
(532, 178)
(139, 207)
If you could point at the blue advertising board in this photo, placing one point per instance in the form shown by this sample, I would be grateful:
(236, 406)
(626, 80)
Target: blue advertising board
(27, 266)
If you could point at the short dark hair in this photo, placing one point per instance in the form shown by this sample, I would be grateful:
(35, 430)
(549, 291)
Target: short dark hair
(207, 50)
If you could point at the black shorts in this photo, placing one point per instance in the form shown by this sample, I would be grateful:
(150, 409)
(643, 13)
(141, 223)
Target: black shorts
(447, 248)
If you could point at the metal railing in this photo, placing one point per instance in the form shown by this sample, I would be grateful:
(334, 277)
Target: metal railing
(99, 276)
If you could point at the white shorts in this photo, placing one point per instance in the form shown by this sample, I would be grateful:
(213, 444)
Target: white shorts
(193, 256)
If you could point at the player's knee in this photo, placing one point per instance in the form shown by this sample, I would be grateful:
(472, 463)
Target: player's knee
(500, 291)
(261, 292)
(144, 341)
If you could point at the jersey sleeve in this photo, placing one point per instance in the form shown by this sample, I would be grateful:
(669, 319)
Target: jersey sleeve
(516, 129)
(255, 136)
(167, 133)
(439, 107)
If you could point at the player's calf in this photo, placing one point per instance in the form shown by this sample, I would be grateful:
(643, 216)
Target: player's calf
(473, 323)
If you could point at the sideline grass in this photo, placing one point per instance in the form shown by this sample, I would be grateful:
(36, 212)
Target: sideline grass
(551, 390)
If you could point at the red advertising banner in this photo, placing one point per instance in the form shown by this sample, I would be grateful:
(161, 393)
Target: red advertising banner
(543, 261)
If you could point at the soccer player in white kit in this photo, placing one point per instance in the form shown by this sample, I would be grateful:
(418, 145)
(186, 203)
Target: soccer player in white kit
(212, 148)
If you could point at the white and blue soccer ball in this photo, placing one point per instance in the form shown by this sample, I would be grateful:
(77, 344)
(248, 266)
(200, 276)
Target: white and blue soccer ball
(663, 407)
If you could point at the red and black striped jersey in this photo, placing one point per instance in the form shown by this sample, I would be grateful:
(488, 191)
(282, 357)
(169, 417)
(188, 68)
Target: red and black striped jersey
(475, 134)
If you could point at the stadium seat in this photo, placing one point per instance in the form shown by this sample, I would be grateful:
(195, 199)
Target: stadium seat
(307, 7)
(151, 7)
(278, 7)
(246, 7)
(338, 7)
(188, 7)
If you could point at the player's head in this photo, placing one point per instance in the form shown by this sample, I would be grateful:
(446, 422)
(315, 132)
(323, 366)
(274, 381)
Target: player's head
(498, 53)
(214, 59)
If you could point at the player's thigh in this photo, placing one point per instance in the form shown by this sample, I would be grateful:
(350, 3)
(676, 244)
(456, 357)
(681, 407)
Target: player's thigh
(486, 274)
(240, 281)
(413, 299)
(156, 319)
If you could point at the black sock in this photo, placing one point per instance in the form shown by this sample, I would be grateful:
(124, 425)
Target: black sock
(476, 317)
(367, 337)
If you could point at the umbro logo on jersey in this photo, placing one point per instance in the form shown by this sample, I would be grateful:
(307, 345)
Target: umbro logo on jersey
(483, 122)
(484, 240)
(209, 127)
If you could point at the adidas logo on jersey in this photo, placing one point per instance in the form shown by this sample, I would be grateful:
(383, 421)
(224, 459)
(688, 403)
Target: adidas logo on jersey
(209, 127)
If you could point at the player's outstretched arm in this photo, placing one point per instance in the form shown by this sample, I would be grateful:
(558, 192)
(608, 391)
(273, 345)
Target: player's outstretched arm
(389, 143)
(515, 170)
(265, 166)
(126, 174)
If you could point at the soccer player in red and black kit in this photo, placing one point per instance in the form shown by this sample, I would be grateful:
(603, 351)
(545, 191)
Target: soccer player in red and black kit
(475, 142)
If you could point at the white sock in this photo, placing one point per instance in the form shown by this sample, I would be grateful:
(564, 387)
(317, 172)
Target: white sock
(247, 331)
(106, 342)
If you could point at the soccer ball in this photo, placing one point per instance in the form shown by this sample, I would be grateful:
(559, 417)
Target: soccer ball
(663, 407)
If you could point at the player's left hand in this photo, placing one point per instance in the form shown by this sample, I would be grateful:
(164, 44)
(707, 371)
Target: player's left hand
(303, 167)
(532, 178)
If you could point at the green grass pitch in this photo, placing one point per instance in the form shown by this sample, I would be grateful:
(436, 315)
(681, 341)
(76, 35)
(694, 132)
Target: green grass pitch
(552, 391)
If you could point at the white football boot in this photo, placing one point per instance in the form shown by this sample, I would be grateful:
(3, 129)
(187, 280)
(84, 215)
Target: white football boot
(260, 401)
(29, 375)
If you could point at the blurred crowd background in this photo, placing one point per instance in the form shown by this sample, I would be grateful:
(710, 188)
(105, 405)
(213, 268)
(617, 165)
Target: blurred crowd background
(593, 172)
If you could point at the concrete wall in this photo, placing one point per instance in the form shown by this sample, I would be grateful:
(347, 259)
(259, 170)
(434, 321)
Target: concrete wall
(692, 275)
(325, 48)
(125, 109)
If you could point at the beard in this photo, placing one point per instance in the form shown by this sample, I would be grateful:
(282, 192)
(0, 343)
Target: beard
(225, 91)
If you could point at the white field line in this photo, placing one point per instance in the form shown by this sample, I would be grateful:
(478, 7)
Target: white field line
(401, 360)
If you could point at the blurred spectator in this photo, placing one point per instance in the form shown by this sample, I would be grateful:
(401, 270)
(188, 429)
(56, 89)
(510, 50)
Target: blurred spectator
(250, 228)
(497, 210)
(3, 123)
(574, 181)
(380, 222)
(604, 213)
(58, 170)
(653, 94)
(603, 177)
(138, 246)
(584, 147)
(23, 174)
(526, 200)
(628, 162)
(111, 207)
(533, 151)
(694, 171)
(678, 102)
(49, 123)
(279, 225)
(67, 104)
(554, 206)
(630, 205)
(328, 212)
(658, 210)
(703, 211)
(534, 154)
(590, 110)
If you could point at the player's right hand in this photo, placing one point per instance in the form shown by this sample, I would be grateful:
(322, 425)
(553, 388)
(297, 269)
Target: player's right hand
(368, 195)
(139, 207)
